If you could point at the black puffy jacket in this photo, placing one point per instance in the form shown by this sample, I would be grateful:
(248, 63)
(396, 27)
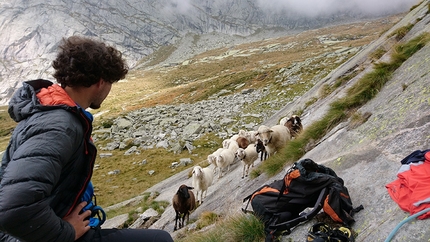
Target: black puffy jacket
(46, 166)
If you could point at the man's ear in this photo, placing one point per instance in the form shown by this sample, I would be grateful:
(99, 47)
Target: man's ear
(99, 83)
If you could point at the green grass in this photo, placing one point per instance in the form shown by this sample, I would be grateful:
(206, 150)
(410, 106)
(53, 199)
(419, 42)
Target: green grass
(134, 176)
(377, 54)
(401, 32)
(238, 227)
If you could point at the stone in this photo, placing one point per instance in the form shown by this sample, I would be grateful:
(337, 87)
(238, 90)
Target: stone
(115, 222)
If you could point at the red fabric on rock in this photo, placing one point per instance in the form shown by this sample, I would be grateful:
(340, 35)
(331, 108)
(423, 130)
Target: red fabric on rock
(411, 189)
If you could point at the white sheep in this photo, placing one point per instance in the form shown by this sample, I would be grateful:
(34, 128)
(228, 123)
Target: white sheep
(230, 144)
(202, 179)
(233, 146)
(274, 138)
(212, 157)
(251, 136)
(234, 137)
(247, 157)
(241, 133)
(283, 120)
(224, 159)
(225, 143)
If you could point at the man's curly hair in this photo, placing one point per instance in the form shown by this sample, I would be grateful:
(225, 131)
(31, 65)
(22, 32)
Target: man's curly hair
(82, 62)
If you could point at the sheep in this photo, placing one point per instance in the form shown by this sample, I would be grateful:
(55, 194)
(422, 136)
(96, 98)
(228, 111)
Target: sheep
(230, 144)
(247, 156)
(202, 179)
(212, 157)
(242, 142)
(234, 137)
(224, 159)
(274, 138)
(259, 148)
(183, 202)
(251, 136)
(294, 124)
(241, 133)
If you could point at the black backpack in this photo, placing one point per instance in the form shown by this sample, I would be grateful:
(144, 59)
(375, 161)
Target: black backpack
(281, 204)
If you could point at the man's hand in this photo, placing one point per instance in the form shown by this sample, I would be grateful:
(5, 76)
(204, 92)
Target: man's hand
(79, 221)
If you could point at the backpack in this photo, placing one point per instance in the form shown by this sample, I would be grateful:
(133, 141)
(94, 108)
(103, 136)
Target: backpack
(98, 215)
(280, 205)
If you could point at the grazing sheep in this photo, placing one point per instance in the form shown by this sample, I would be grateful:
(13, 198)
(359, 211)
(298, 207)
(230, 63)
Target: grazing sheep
(294, 125)
(202, 179)
(247, 156)
(261, 149)
(242, 142)
(224, 159)
(183, 202)
(274, 138)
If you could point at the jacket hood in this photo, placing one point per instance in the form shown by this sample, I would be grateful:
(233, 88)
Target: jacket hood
(35, 96)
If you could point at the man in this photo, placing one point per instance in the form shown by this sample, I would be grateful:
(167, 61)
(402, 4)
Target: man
(49, 161)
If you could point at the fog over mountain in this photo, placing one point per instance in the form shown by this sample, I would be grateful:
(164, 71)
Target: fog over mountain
(320, 8)
(31, 30)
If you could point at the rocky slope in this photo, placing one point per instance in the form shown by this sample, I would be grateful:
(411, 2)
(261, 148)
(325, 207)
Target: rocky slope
(367, 157)
(31, 30)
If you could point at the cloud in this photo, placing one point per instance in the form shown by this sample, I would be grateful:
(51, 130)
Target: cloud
(311, 8)
(177, 6)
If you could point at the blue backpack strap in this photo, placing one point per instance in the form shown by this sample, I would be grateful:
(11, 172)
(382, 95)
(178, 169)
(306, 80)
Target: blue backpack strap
(98, 215)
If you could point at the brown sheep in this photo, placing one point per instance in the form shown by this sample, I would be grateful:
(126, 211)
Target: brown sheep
(242, 142)
(294, 124)
(183, 202)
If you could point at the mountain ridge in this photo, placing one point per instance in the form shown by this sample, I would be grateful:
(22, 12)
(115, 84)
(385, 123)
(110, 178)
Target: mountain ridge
(31, 30)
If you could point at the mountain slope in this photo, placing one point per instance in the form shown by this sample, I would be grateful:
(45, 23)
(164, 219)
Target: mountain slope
(366, 157)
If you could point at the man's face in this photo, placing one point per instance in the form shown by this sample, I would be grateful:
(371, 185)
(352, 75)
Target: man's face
(101, 94)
